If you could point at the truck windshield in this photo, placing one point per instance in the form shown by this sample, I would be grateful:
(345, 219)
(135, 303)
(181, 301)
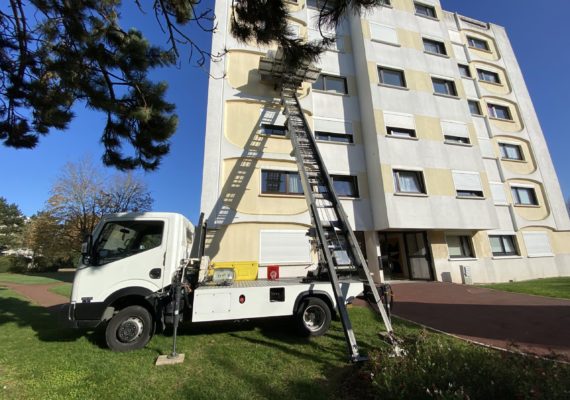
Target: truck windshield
(121, 239)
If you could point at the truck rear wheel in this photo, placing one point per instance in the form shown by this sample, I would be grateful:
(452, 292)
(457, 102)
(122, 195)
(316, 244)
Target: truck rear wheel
(130, 329)
(313, 317)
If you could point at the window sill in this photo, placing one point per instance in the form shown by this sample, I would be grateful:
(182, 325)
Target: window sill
(448, 96)
(427, 17)
(527, 205)
(514, 160)
(502, 119)
(286, 196)
(458, 144)
(402, 137)
(471, 198)
(462, 259)
(411, 194)
(506, 257)
(491, 83)
(478, 49)
(541, 255)
(478, 115)
(436, 54)
(467, 77)
(348, 198)
(333, 142)
(394, 86)
(385, 42)
(332, 93)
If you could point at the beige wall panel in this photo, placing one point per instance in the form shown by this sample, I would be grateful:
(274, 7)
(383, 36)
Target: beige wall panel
(239, 242)
(242, 188)
(241, 128)
(531, 213)
(482, 245)
(491, 55)
(560, 242)
(387, 178)
(501, 89)
(373, 73)
(428, 128)
(242, 74)
(418, 80)
(439, 182)
(409, 39)
(438, 245)
(518, 167)
(379, 122)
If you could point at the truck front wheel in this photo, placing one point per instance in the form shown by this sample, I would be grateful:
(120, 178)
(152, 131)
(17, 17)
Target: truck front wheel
(130, 329)
(313, 317)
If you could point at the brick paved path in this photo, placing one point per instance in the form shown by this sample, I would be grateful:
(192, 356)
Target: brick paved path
(39, 294)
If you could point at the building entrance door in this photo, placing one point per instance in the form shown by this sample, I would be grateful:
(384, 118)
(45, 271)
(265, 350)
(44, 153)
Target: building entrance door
(405, 255)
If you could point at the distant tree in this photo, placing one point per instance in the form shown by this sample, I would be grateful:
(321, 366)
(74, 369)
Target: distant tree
(56, 53)
(82, 195)
(48, 243)
(11, 224)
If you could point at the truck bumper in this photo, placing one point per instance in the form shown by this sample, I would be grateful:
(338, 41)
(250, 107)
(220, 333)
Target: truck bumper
(82, 315)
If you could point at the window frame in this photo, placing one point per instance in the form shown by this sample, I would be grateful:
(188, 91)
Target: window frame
(504, 154)
(420, 180)
(431, 11)
(477, 104)
(401, 72)
(287, 192)
(502, 239)
(471, 40)
(352, 179)
(452, 139)
(531, 191)
(411, 132)
(465, 243)
(273, 127)
(321, 136)
(482, 77)
(447, 82)
(325, 90)
(440, 46)
(491, 108)
(466, 67)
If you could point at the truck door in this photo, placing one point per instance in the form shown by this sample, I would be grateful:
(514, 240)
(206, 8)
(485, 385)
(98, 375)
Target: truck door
(127, 253)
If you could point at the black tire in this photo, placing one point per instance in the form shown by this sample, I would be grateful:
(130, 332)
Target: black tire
(130, 329)
(313, 317)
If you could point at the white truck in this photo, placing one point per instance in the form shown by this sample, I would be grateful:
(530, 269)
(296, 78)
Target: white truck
(131, 260)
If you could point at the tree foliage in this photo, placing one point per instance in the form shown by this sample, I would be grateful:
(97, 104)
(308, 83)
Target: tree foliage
(11, 224)
(54, 53)
(82, 195)
(48, 242)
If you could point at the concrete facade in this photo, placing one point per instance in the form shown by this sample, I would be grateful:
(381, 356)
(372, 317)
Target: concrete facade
(451, 178)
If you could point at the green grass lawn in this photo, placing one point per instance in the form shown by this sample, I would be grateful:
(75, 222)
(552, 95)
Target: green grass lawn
(63, 290)
(549, 287)
(37, 279)
(38, 359)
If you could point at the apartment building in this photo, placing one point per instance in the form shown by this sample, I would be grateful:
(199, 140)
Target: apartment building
(428, 130)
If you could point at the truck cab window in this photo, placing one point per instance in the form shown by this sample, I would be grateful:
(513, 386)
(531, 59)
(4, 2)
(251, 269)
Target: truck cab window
(121, 239)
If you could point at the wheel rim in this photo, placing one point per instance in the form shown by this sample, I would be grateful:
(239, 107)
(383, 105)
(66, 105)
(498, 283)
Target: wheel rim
(130, 329)
(314, 318)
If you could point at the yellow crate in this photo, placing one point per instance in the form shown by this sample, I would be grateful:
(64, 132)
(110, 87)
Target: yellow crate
(244, 270)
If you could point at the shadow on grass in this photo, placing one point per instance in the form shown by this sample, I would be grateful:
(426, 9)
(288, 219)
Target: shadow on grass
(47, 322)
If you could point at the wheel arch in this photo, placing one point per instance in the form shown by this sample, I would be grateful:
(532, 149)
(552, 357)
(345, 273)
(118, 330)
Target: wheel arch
(321, 294)
(131, 296)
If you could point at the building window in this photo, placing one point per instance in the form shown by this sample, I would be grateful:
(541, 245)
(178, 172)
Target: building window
(319, 4)
(409, 181)
(459, 247)
(434, 47)
(488, 76)
(345, 185)
(332, 84)
(467, 184)
(474, 107)
(273, 130)
(464, 70)
(477, 43)
(499, 112)
(392, 77)
(401, 132)
(444, 86)
(281, 182)
(524, 196)
(333, 137)
(503, 245)
(511, 151)
(424, 10)
(456, 139)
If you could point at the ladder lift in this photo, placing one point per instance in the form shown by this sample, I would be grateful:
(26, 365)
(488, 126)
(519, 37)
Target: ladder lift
(339, 252)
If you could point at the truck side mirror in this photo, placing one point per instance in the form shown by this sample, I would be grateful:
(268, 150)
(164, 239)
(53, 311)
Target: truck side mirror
(86, 249)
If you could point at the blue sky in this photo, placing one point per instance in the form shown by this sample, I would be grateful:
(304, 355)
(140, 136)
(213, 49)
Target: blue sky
(538, 34)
